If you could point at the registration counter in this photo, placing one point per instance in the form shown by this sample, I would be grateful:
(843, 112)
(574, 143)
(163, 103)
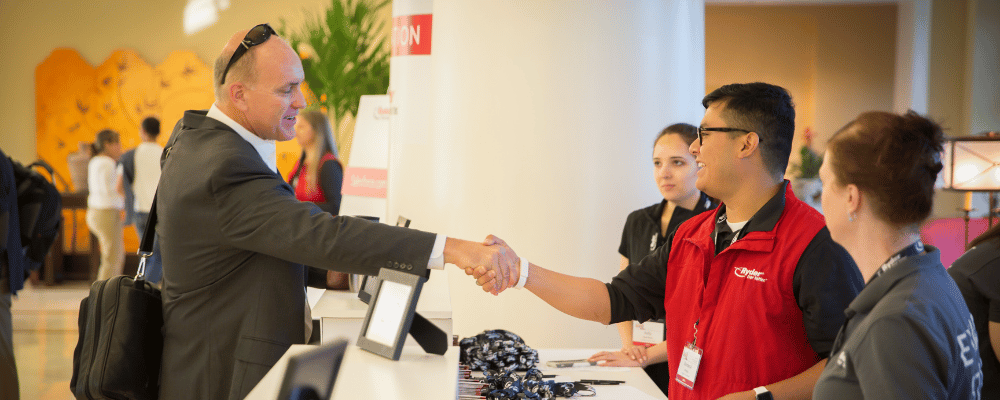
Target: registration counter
(418, 375)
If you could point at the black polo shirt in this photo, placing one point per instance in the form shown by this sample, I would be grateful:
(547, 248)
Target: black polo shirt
(825, 281)
(977, 274)
(642, 232)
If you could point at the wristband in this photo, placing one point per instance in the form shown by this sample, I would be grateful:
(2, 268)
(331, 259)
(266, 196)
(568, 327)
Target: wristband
(523, 278)
(762, 393)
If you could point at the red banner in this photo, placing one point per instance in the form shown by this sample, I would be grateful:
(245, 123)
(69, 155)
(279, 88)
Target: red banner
(365, 182)
(411, 35)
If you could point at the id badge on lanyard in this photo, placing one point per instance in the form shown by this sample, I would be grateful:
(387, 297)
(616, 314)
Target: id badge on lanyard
(687, 370)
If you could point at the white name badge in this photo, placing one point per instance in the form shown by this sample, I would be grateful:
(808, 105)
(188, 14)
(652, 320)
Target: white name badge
(647, 333)
(687, 370)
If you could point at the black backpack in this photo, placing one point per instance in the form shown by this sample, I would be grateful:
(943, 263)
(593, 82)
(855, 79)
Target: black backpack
(39, 207)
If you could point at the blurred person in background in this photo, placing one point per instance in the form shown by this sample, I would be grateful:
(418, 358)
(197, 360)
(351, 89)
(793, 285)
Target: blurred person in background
(140, 172)
(105, 203)
(317, 177)
(78, 161)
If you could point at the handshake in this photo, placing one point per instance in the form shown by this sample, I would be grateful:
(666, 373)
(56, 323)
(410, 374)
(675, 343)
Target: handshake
(493, 263)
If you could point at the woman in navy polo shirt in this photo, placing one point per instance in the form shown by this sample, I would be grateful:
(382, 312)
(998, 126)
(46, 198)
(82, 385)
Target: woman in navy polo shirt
(908, 333)
(646, 229)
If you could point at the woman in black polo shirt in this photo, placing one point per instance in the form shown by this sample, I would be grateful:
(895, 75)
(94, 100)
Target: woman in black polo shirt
(908, 334)
(977, 274)
(646, 229)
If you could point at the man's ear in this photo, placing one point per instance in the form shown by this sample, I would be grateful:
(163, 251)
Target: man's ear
(237, 93)
(748, 145)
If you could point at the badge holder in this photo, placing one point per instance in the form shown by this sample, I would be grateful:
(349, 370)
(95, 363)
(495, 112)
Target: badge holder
(687, 370)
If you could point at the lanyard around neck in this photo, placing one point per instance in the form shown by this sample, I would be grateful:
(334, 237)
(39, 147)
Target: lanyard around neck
(915, 248)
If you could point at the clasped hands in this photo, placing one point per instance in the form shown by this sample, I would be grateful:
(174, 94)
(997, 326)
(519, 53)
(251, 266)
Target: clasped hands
(494, 265)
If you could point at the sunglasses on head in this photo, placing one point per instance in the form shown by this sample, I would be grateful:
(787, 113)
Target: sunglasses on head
(259, 34)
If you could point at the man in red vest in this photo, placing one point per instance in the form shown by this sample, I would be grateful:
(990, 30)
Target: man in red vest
(754, 291)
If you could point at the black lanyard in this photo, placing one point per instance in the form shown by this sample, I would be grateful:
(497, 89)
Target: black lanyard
(915, 248)
(722, 229)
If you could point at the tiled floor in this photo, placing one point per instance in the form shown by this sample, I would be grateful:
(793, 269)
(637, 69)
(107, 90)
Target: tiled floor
(45, 334)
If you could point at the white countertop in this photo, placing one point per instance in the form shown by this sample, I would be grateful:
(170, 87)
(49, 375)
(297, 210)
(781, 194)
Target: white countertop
(637, 383)
(418, 375)
(363, 375)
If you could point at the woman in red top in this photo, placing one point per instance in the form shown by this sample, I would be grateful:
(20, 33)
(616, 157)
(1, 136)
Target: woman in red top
(318, 175)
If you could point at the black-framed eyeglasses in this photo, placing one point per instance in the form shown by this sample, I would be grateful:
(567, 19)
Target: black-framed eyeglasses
(257, 35)
(700, 130)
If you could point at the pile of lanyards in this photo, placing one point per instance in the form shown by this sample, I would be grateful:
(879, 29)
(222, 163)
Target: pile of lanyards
(498, 354)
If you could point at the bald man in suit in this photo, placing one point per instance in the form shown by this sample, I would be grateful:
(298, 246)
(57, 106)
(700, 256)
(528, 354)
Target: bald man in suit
(234, 238)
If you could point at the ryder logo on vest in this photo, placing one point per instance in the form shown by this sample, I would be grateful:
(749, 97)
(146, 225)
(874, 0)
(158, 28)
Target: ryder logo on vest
(751, 274)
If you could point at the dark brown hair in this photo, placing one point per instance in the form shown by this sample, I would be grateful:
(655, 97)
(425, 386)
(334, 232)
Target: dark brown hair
(151, 126)
(104, 138)
(894, 159)
(686, 131)
(762, 108)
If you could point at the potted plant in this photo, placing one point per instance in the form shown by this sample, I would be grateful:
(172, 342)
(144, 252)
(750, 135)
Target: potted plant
(806, 184)
(344, 56)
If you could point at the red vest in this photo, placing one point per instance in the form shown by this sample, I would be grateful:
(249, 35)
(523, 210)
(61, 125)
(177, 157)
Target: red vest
(750, 325)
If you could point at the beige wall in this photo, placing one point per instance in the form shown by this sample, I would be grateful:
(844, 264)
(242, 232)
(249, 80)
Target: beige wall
(30, 29)
(835, 60)
(949, 92)
(949, 87)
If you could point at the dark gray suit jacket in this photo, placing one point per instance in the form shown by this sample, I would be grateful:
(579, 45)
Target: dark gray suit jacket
(233, 239)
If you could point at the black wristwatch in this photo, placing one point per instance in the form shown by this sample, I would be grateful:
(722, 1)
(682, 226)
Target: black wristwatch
(763, 393)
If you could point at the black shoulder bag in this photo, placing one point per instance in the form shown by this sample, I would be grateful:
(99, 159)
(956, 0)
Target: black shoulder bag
(121, 339)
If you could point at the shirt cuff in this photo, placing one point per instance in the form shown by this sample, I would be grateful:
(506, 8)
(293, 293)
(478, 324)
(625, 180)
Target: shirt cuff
(437, 253)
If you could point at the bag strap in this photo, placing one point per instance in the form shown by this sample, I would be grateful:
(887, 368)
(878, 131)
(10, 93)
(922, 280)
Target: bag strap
(146, 246)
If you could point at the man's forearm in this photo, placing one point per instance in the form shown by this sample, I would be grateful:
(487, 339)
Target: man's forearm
(583, 298)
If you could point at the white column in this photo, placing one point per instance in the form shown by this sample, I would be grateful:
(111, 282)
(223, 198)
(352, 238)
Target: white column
(913, 46)
(539, 129)
(984, 24)
(410, 93)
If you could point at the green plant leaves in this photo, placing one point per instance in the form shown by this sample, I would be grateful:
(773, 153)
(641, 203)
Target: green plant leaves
(349, 55)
